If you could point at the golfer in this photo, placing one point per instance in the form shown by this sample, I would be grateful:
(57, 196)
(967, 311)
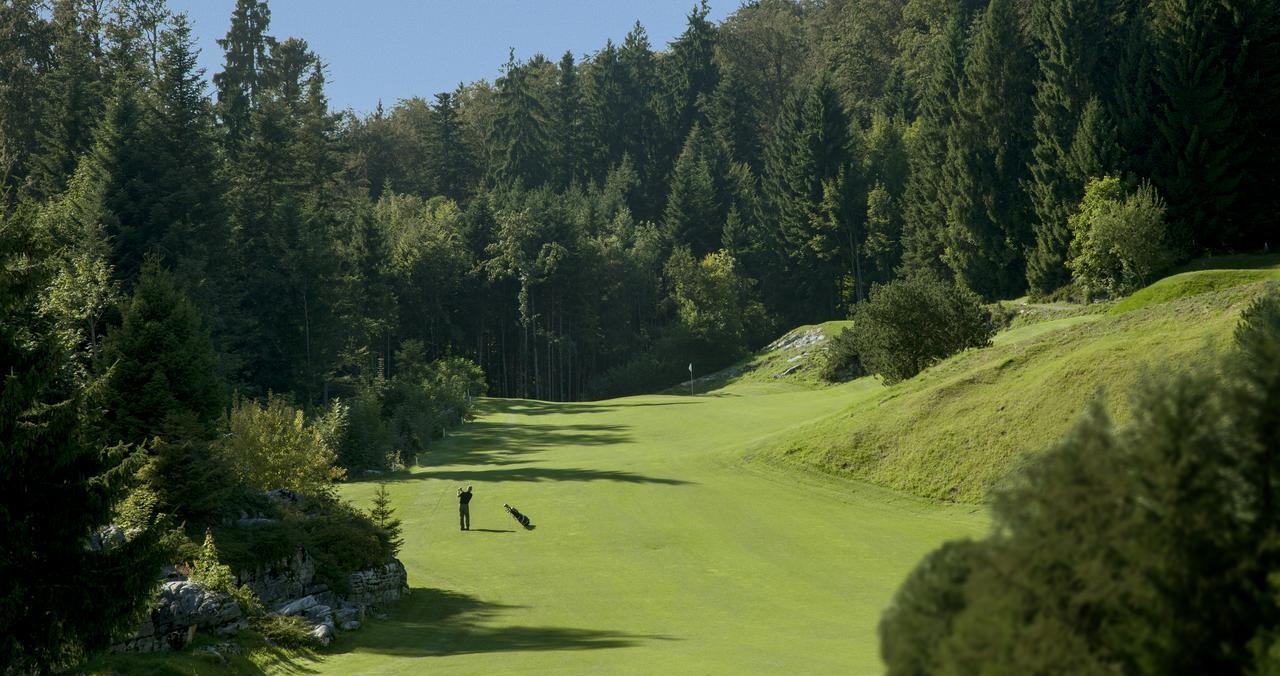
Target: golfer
(464, 508)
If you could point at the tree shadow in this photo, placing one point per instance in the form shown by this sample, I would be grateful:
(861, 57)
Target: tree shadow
(438, 623)
(537, 474)
(538, 407)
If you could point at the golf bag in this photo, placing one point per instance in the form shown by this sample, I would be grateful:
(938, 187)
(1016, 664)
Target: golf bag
(521, 518)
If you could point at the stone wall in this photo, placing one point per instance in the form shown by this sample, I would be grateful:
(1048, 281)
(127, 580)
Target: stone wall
(287, 587)
(385, 584)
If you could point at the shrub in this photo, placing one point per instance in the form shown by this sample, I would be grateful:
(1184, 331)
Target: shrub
(272, 445)
(383, 516)
(286, 632)
(841, 361)
(914, 321)
(1119, 241)
(1148, 548)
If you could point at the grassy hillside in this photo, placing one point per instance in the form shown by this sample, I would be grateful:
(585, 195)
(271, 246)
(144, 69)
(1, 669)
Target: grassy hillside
(957, 429)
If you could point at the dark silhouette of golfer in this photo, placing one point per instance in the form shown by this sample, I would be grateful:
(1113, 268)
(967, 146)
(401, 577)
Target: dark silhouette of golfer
(464, 508)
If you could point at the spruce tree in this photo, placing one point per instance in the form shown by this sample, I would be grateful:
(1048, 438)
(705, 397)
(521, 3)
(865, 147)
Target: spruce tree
(449, 162)
(56, 488)
(570, 157)
(924, 204)
(73, 92)
(810, 149)
(521, 133)
(241, 80)
(1199, 145)
(1068, 35)
(696, 204)
(383, 516)
(987, 152)
(162, 363)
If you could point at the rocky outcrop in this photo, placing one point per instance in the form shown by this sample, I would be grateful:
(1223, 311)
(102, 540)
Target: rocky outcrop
(286, 588)
(377, 586)
(182, 607)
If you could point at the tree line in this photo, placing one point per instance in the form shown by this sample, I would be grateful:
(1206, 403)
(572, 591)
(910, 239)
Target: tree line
(542, 224)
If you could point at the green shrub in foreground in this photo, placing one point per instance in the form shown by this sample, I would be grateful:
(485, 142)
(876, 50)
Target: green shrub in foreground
(1144, 549)
(912, 322)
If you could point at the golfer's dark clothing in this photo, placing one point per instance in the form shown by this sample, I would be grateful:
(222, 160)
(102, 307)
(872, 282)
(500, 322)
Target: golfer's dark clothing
(464, 510)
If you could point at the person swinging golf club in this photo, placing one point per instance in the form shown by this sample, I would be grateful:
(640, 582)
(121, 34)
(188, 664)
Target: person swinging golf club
(464, 508)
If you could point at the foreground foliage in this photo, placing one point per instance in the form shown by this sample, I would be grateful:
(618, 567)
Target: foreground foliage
(1147, 548)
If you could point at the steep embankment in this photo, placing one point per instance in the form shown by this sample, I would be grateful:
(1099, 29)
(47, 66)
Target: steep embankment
(957, 429)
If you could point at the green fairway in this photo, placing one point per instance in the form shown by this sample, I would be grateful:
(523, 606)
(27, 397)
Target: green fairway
(658, 548)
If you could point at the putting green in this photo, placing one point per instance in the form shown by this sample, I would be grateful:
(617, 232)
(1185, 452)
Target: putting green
(659, 547)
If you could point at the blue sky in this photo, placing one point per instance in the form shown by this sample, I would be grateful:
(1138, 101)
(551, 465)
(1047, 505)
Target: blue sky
(395, 49)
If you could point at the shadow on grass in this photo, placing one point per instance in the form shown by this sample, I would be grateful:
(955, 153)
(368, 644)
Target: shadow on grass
(536, 407)
(535, 474)
(438, 623)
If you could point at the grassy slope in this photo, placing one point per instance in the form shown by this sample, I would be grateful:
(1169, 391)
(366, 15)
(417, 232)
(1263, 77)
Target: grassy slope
(957, 429)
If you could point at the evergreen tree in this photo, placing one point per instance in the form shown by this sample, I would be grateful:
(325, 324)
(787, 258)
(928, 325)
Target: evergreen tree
(241, 81)
(56, 487)
(690, 75)
(810, 150)
(520, 134)
(1068, 35)
(571, 152)
(987, 152)
(1200, 149)
(24, 57)
(448, 159)
(163, 365)
(383, 516)
(696, 203)
(73, 92)
(925, 202)
(187, 212)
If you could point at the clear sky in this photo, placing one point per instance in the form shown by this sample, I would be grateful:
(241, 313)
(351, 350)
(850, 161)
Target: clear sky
(394, 49)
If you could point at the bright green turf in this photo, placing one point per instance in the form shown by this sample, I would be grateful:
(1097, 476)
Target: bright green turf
(1192, 284)
(657, 549)
(957, 429)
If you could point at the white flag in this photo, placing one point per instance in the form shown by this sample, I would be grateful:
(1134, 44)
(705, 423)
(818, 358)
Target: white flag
(690, 367)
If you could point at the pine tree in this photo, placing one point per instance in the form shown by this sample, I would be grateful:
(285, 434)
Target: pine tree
(987, 152)
(924, 204)
(383, 516)
(163, 362)
(241, 81)
(521, 131)
(73, 92)
(1068, 34)
(810, 149)
(56, 488)
(696, 205)
(1200, 149)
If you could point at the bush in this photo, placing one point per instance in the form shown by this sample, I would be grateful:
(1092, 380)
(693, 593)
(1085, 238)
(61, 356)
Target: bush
(286, 632)
(272, 445)
(841, 361)
(914, 321)
(1149, 548)
(1119, 241)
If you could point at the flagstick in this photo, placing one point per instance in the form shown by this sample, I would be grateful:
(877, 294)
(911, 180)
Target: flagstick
(691, 380)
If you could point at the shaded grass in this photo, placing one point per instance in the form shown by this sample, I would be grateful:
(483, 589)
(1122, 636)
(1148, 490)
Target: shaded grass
(956, 430)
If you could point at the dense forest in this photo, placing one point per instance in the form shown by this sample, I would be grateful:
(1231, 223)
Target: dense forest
(588, 225)
(212, 291)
